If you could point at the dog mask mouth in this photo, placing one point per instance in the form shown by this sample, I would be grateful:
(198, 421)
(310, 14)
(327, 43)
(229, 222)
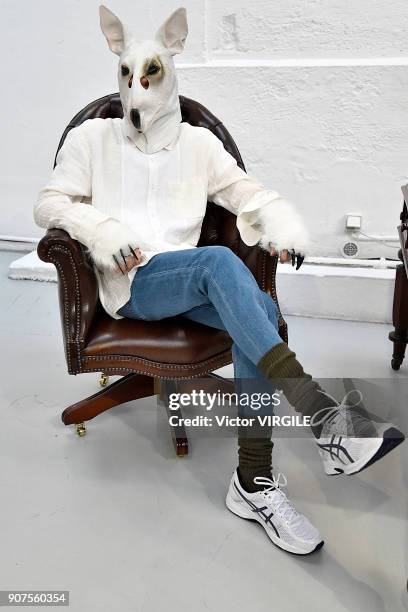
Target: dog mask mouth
(135, 118)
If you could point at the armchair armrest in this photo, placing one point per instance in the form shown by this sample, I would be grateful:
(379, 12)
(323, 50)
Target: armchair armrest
(78, 290)
(263, 266)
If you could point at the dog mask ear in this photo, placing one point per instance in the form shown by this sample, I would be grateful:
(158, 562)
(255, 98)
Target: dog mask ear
(173, 32)
(113, 30)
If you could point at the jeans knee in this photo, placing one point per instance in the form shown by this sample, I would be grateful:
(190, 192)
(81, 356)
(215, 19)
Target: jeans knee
(218, 251)
(219, 257)
(222, 265)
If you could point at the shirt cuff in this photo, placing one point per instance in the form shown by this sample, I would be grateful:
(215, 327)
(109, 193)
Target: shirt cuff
(247, 218)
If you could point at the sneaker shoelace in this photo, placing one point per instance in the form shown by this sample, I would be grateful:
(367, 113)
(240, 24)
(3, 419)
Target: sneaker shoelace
(339, 416)
(273, 494)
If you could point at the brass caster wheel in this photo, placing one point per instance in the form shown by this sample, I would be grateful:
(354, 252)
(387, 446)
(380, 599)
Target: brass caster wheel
(81, 429)
(104, 379)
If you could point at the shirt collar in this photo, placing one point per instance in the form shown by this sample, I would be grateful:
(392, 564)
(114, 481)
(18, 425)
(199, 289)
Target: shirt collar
(170, 146)
(163, 134)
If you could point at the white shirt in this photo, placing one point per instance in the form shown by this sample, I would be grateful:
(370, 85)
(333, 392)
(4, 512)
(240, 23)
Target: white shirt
(101, 174)
(165, 211)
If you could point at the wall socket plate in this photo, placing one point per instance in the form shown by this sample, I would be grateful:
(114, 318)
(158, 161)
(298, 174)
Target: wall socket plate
(353, 221)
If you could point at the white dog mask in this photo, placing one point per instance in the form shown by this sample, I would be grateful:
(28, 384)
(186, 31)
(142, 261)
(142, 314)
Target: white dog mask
(147, 78)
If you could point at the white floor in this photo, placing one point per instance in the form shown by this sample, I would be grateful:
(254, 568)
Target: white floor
(123, 525)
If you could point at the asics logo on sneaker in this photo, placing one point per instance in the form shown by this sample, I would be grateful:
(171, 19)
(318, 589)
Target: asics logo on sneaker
(334, 448)
(257, 510)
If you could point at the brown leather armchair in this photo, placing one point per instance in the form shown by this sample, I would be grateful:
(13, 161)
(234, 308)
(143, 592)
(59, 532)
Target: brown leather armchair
(150, 356)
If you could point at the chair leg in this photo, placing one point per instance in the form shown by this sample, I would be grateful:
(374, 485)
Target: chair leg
(130, 387)
(178, 433)
(398, 354)
(399, 318)
(165, 387)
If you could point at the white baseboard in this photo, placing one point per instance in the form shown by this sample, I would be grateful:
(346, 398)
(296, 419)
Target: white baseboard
(30, 267)
(329, 292)
(15, 245)
(335, 292)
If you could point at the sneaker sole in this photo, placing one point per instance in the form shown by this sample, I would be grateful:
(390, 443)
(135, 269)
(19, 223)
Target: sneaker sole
(238, 511)
(392, 438)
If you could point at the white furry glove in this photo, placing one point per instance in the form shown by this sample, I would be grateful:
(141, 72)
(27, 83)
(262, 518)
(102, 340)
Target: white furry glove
(113, 245)
(282, 228)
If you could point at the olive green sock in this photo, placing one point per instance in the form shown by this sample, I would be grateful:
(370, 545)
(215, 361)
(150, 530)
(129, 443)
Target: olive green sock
(299, 388)
(255, 456)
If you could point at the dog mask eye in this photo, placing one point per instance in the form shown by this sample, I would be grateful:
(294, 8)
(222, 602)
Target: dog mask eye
(152, 69)
(125, 70)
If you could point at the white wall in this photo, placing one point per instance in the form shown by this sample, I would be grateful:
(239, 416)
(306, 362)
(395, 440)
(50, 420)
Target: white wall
(315, 93)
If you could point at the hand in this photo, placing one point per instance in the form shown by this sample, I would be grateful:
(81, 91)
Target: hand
(283, 232)
(125, 263)
(111, 247)
(285, 256)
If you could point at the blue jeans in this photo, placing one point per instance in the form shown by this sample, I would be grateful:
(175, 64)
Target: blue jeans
(210, 285)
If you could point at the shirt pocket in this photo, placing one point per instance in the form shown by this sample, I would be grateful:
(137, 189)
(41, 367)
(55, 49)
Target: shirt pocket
(187, 199)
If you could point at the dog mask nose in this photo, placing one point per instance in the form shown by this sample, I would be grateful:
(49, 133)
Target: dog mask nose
(135, 118)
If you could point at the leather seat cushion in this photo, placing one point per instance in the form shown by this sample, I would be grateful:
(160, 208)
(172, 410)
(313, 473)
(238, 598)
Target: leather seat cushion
(175, 340)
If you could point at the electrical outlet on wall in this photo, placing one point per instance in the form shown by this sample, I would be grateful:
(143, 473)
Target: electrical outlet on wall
(353, 221)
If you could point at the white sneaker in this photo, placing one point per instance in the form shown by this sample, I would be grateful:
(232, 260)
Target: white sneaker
(271, 508)
(351, 441)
